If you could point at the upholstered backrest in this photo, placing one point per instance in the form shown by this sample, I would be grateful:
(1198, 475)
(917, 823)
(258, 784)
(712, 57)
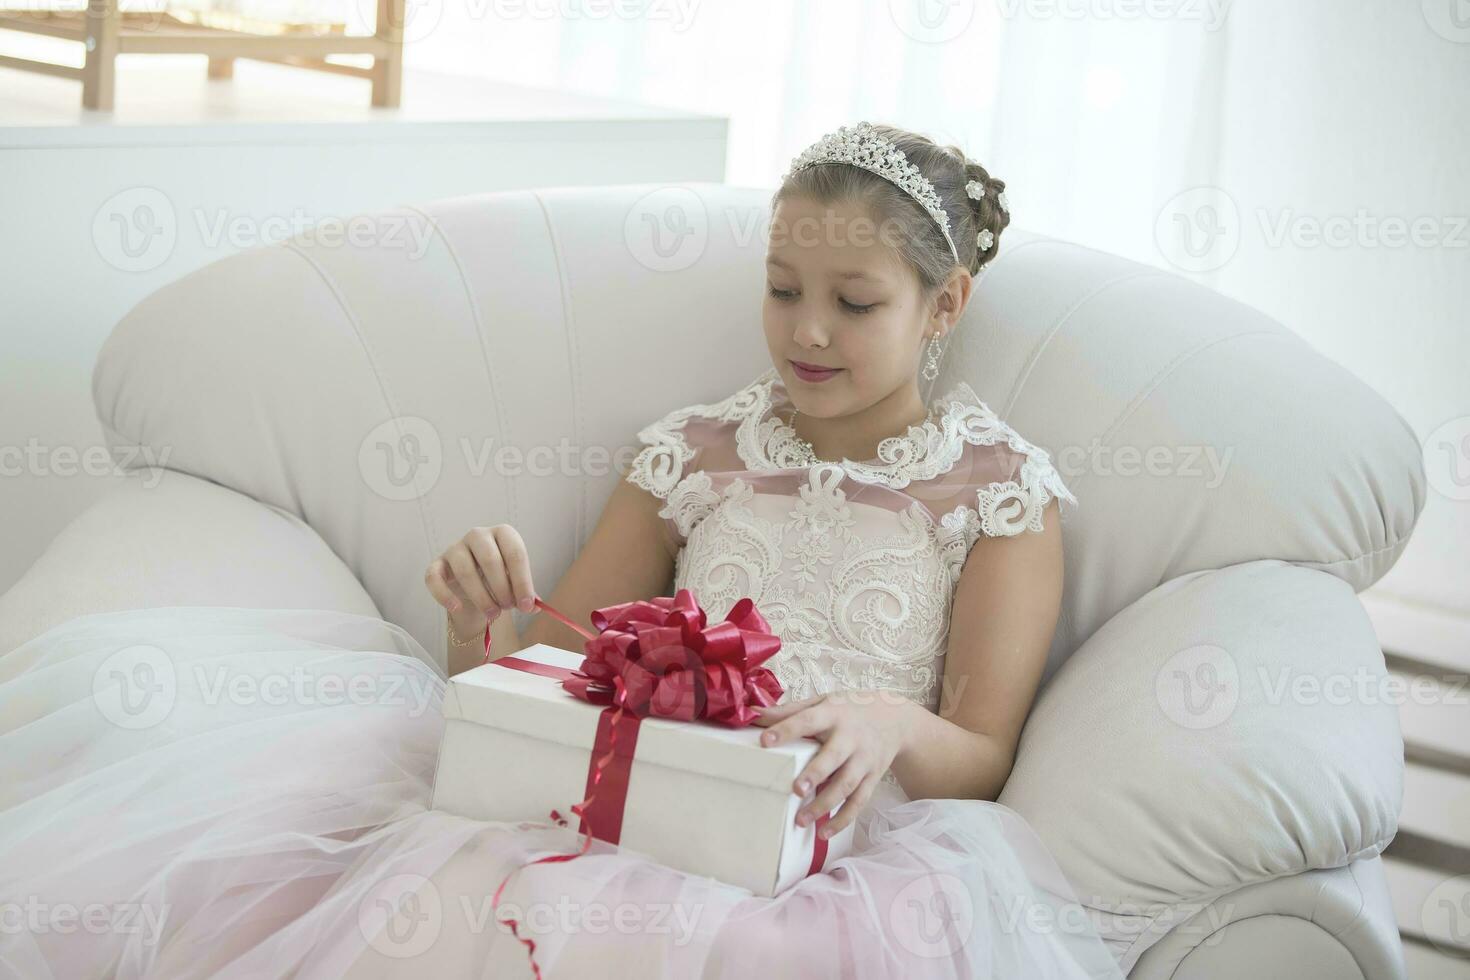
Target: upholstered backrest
(369, 385)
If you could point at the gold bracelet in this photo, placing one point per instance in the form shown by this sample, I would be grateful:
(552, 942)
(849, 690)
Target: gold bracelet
(454, 637)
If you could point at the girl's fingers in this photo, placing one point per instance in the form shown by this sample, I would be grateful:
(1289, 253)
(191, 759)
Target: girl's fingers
(833, 753)
(811, 720)
(842, 784)
(467, 577)
(854, 805)
(482, 544)
(435, 579)
(774, 713)
(517, 564)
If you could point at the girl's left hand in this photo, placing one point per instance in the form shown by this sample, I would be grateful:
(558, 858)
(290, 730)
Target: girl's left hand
(861, 733)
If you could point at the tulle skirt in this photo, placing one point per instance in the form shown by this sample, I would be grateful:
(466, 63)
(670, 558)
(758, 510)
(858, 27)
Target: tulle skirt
(229, 792)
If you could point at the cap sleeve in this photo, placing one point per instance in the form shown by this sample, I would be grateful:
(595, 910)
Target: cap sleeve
(1008, 484)
(672, 463)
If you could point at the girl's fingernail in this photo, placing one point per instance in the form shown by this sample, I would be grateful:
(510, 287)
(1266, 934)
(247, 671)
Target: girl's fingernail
(527, 605)
(768, 737)
(825, 832)
(802, 785)
(802, 819)
(454, 605)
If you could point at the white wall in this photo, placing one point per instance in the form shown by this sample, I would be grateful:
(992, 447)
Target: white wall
(1377, 121)
(94, 218)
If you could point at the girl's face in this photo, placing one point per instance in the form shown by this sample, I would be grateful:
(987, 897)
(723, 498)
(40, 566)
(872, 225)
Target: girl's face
(838, 296)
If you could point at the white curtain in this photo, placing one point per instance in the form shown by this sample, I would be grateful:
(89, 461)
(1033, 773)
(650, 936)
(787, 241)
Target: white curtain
(1181, 133)
(1084, 117)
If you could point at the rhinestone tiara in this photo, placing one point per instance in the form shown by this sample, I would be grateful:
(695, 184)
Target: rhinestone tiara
(860, 146)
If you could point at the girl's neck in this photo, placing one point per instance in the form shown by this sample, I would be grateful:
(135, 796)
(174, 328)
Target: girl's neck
(857, 436)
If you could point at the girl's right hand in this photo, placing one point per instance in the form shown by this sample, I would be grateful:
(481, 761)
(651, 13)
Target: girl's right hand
(482, 574)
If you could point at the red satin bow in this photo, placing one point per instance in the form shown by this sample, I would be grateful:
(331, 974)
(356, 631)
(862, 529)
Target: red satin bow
(658, 657)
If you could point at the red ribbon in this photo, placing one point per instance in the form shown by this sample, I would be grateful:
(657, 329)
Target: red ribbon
(655, 657)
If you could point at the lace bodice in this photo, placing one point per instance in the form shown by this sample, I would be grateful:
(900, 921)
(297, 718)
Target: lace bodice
(853, 563)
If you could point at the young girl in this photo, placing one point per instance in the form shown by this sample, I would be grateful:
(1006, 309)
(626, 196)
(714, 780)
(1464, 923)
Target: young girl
(907, 552)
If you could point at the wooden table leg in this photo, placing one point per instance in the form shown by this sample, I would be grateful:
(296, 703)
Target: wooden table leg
(99, 72)
(388, 69)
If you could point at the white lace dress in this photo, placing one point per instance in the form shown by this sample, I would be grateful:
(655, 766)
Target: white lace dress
(231, 792)
(853, 563)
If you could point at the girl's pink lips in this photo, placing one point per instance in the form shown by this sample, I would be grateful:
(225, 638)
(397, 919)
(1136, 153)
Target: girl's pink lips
(812, 372)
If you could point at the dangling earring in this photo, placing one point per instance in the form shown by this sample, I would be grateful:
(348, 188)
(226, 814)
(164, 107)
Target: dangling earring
(931, 368)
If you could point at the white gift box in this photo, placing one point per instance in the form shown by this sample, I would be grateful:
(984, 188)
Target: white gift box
(702, 797)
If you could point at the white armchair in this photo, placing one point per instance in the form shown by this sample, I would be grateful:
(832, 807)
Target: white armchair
(1207, 758)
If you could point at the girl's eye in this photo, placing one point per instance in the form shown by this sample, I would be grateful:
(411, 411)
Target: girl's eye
(786, 294)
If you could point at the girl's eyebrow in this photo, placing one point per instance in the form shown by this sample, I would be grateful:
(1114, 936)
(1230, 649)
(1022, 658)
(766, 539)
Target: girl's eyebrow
(849, 274)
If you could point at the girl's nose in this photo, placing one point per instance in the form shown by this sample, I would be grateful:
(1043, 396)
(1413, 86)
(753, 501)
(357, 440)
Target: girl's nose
(811, 334)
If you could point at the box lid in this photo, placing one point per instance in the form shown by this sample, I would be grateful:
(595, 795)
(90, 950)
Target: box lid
(509, 699)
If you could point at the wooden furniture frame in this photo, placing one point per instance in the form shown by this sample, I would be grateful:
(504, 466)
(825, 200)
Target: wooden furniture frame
(107, 32)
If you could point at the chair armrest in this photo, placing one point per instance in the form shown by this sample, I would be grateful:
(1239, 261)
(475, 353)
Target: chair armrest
(1328, 924)
(164, 538)
(1232, 726)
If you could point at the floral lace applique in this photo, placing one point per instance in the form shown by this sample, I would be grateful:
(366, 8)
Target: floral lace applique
(859, 592)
